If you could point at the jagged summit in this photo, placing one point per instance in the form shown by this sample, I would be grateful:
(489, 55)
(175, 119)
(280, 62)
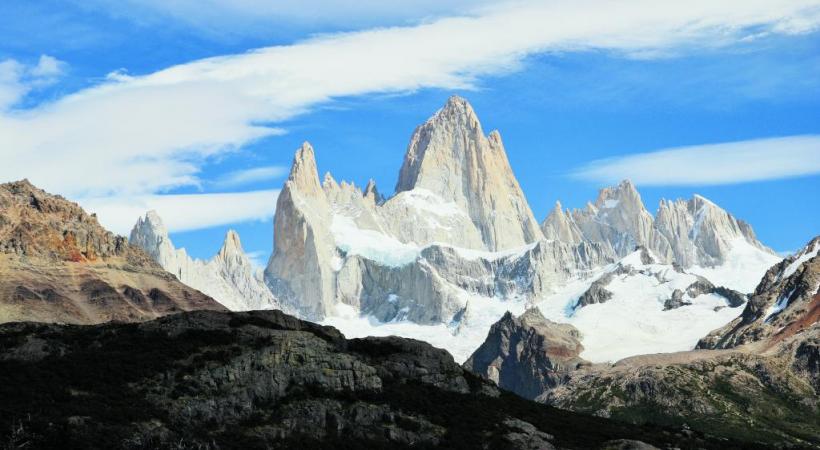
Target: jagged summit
(693, 232)
(229, 277)
(304, 174)
(450, 157)
(559, 225)
(232, 246)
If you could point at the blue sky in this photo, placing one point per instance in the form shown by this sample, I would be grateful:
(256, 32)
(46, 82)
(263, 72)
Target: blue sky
(102, 119)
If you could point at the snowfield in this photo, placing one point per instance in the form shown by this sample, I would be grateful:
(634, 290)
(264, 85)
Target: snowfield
(632, 323)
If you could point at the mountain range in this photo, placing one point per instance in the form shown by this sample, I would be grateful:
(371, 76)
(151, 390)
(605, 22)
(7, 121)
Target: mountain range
(457, 245)
(679, 320)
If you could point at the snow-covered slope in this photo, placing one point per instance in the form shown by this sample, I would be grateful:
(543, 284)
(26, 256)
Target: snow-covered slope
(641, 315)
(228, 277)
(638, 318)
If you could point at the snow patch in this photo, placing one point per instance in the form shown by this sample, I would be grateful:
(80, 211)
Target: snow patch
(610, 203)
(807, 255)
(424, 200)
(491, 256)
(633, 321)
(371, 244)
(779, 306)
(744, 267)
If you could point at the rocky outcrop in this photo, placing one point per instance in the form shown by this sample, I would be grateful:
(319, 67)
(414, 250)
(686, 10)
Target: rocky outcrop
(675, 301)
(528, 354)
(597, 292)
(702, 286)
(228, 277)
(263, 379)
(57, 264)
(786, 302)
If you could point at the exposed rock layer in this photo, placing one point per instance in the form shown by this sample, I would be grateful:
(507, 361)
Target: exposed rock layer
(59, 265)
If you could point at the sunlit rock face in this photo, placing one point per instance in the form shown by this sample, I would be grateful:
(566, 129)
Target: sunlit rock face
(229, 277)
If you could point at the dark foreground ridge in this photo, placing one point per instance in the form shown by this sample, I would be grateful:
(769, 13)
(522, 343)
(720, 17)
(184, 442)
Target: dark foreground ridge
(263, 379)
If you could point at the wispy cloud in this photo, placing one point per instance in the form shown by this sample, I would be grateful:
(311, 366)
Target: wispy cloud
(134, 135)
(248, 176)
(727, 163)
(258, 258)
(18, 79)
(185, 211)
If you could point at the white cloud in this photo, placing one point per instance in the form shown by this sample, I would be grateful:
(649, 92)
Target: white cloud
(183, 212)
(11, 86)
(48, 67)
(17, 79)
(134, 135)
(243, 177)
(713, 164)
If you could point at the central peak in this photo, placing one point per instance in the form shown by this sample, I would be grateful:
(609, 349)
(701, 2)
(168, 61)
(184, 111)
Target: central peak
(450, 157)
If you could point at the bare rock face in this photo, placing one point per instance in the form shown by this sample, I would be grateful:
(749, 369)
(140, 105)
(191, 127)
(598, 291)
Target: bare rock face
(450, 156)
(701, 233)
(229, 277)
(59, 265)
(263, 379)
(528, 354)
(560, 226)
(300, 271)
(618, 218)
(786, 302)
(37, 224)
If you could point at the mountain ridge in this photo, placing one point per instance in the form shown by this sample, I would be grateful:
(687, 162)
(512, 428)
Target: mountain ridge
(57, 264)
(229, 277)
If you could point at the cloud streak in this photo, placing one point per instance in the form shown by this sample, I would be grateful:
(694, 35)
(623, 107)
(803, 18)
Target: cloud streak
(183, 212)
(134, 135)
(248, 176)
(713, 164)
